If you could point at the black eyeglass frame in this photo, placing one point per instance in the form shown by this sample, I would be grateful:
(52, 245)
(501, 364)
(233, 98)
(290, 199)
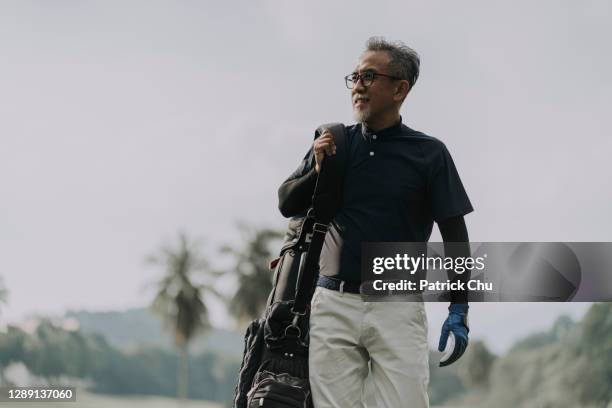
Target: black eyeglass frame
(351, 79)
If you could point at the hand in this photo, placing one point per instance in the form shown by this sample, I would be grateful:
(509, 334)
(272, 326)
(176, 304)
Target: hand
(455, 326)
(323, 145)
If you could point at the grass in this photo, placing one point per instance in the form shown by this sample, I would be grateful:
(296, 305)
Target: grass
(88, 400)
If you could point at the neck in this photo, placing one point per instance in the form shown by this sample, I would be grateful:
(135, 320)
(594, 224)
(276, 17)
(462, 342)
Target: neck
(383, 122)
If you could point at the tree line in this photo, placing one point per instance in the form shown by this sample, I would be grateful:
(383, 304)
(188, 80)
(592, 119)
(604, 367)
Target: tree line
(180, 301)
(189, 278)
(570, 353)
(58, 355)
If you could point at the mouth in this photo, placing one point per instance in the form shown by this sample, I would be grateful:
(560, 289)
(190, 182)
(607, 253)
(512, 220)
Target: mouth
(360, 100)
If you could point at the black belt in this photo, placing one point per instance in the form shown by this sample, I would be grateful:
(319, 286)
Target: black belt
(339, 285)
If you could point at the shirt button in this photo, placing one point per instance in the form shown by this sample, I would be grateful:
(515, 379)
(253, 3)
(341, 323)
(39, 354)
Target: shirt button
(374, 137)
(371, 153)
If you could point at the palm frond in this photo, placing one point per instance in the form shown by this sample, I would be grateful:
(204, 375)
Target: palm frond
(250, 268)
(178, 301)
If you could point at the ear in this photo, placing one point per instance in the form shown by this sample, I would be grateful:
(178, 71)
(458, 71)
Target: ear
(401, 91)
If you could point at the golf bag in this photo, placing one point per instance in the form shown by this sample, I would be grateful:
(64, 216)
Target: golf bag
(274, 370)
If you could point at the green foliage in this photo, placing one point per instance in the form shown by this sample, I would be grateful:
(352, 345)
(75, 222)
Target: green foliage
(596, 345)
(597, 331)
(444, 383)
(52, 351)
(179, 301)
(476, 365)
(568, 366)
(12, 346)
(151, 372)
(251, 266)
(562, 327)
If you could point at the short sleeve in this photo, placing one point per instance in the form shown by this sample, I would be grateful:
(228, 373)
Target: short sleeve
(446, 193)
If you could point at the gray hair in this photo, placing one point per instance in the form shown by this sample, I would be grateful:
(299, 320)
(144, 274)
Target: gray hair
(405, 61)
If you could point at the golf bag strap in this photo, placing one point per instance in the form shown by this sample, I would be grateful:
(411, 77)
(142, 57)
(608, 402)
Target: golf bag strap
(325, 202)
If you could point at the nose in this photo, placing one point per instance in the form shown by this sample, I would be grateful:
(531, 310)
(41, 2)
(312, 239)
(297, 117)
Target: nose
(358, 87)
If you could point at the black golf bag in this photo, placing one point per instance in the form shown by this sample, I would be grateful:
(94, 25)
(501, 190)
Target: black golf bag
(274, 370)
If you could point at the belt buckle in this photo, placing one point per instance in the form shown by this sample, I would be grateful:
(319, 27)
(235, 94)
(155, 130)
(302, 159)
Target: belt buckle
(367, 289)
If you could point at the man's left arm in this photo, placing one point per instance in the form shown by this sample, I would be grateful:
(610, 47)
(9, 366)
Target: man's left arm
(456, 244)
(449, 203)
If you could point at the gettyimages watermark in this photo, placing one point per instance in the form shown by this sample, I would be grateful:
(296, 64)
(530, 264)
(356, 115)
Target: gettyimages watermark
(487, 271)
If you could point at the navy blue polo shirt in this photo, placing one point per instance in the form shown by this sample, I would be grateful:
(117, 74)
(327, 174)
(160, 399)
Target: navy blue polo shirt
(398, 181)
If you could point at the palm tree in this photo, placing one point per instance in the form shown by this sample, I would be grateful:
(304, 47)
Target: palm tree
(252, 271)
(179, 301)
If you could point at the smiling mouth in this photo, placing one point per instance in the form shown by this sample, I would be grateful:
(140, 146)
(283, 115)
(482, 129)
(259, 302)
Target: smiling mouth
(360, 101)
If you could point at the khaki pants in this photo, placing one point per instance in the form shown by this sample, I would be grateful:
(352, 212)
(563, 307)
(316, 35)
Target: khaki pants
(347, 332)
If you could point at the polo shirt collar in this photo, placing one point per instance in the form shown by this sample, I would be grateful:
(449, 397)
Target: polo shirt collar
(394, 129)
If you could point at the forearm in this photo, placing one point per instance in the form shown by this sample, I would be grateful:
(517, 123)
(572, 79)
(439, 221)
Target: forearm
(456, 244)
(295, 194)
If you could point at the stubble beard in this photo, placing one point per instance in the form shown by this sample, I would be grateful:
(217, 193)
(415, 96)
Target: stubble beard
(361, 115)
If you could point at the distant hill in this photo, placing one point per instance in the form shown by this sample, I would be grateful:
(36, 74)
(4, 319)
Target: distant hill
(131, 329)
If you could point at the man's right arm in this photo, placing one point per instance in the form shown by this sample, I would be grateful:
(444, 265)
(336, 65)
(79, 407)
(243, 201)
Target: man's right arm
(295, 194)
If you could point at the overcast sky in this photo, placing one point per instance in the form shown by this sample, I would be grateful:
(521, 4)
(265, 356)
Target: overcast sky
(122, 123)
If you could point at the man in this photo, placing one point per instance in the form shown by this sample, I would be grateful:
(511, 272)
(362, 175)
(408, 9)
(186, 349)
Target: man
(398, 182)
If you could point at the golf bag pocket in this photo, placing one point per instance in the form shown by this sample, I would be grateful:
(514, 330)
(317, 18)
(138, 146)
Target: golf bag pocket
(286, 274)
(279, 391)
(252, 357)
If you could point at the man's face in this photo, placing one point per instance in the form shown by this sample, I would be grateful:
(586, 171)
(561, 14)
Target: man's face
(380, 98)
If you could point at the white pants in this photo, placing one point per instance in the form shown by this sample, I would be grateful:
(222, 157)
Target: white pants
(347, 332)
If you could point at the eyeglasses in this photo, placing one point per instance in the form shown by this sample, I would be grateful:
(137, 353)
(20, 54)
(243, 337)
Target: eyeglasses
(367, 78)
